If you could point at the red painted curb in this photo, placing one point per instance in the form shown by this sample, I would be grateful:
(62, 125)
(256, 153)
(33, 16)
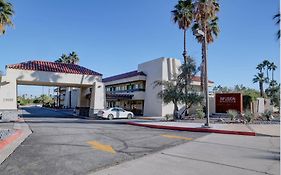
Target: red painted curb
(10, 139)
(195, 129)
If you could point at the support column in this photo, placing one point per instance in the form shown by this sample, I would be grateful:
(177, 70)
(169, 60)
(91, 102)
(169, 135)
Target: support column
(97, 98)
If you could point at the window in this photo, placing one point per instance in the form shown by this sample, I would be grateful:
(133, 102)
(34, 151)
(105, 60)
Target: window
(114, 109)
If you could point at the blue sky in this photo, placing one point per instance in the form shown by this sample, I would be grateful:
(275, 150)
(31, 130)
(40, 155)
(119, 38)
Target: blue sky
(112, 36)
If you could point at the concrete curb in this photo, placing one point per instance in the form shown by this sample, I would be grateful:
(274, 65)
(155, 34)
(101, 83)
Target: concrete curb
(9, 144)
(10, 139)
(209, 130)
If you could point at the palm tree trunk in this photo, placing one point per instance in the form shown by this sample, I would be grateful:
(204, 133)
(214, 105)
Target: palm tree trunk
(206, 76)
(185, 61)
(261, 89)
(272, 75)
(202, 69)
(184, 47)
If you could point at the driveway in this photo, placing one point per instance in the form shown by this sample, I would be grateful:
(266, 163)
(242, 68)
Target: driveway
(62, 144)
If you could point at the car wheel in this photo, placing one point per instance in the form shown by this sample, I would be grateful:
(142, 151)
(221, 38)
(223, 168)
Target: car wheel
(130, 116)
(110, 116)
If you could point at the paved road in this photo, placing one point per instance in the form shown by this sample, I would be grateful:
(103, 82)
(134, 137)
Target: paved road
(62, 144)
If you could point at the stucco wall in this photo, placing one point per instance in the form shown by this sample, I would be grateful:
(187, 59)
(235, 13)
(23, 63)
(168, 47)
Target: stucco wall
(8, 94)
(8, 84)
(158, 69)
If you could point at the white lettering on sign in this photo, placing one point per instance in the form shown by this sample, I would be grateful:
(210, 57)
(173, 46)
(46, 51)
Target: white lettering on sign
(8, 99)
(227, 100)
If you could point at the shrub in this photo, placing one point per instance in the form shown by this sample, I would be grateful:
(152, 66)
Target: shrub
(232, 113)
(248, 115)
(169, 117)
(267, 114)
(199, 113)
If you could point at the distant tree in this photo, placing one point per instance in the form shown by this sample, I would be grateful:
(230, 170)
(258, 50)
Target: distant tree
(259, 78)
(277, 16)
(71, 58)
(266, 66)
(6, 13)
(220, 89)
(74, 59)
(260, 67)
(272, 67)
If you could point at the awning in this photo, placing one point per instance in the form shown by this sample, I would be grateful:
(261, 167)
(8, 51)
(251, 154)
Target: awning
(119, 96)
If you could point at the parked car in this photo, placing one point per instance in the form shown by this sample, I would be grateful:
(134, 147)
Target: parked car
(115, 112)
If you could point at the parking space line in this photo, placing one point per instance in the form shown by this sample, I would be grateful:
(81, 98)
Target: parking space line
(102, 147)
(175, 137)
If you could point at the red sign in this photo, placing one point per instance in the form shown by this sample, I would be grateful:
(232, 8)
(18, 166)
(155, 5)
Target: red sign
(226, 101)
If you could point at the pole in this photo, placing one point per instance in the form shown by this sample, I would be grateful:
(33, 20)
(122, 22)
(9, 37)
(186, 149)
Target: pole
(207, 124)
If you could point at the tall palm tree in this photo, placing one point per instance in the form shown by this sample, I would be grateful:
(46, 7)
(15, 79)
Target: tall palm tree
(183, 16)
(259, 78)
(6, 13)
(212, 32)
(277, 16)
(204, 12)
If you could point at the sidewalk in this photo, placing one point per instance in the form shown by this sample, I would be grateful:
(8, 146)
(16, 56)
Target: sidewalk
(236, 129)
(20, 131)
(212, 154)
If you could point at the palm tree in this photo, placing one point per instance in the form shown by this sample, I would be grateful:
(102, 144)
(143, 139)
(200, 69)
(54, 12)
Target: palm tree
(277, 16)
(74, 59)
(205, 11)
(212, 32)
(259, 78)
(183, 16)
(6, 12)
(62, 59)
(266, 65)
(260, 67)
(272, 67)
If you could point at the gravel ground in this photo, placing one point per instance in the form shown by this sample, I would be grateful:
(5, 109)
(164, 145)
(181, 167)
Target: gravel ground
(6, 133)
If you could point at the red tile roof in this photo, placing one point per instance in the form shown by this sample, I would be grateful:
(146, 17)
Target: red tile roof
(197, 78)
(53, 67)
(124, 75)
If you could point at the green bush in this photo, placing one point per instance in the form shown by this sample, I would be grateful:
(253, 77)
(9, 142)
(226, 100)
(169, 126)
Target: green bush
(169, 117)
(267, 114)
(232, 114)
(249, 116)
(199, 113)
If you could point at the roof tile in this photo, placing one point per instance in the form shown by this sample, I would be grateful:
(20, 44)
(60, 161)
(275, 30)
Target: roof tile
(53, 67)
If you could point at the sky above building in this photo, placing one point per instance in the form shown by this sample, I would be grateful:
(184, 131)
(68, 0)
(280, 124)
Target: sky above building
(113, 37)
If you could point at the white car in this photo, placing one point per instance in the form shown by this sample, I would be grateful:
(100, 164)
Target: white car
(115, 112)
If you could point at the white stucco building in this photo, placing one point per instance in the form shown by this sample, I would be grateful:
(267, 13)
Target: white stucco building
(135, 90)
(85, 89)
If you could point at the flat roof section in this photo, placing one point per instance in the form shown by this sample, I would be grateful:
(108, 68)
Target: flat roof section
(122, 76)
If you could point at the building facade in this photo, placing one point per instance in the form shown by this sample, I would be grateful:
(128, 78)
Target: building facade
(135, 90)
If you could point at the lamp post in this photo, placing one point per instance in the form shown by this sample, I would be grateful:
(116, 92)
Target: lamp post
(201, 33)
